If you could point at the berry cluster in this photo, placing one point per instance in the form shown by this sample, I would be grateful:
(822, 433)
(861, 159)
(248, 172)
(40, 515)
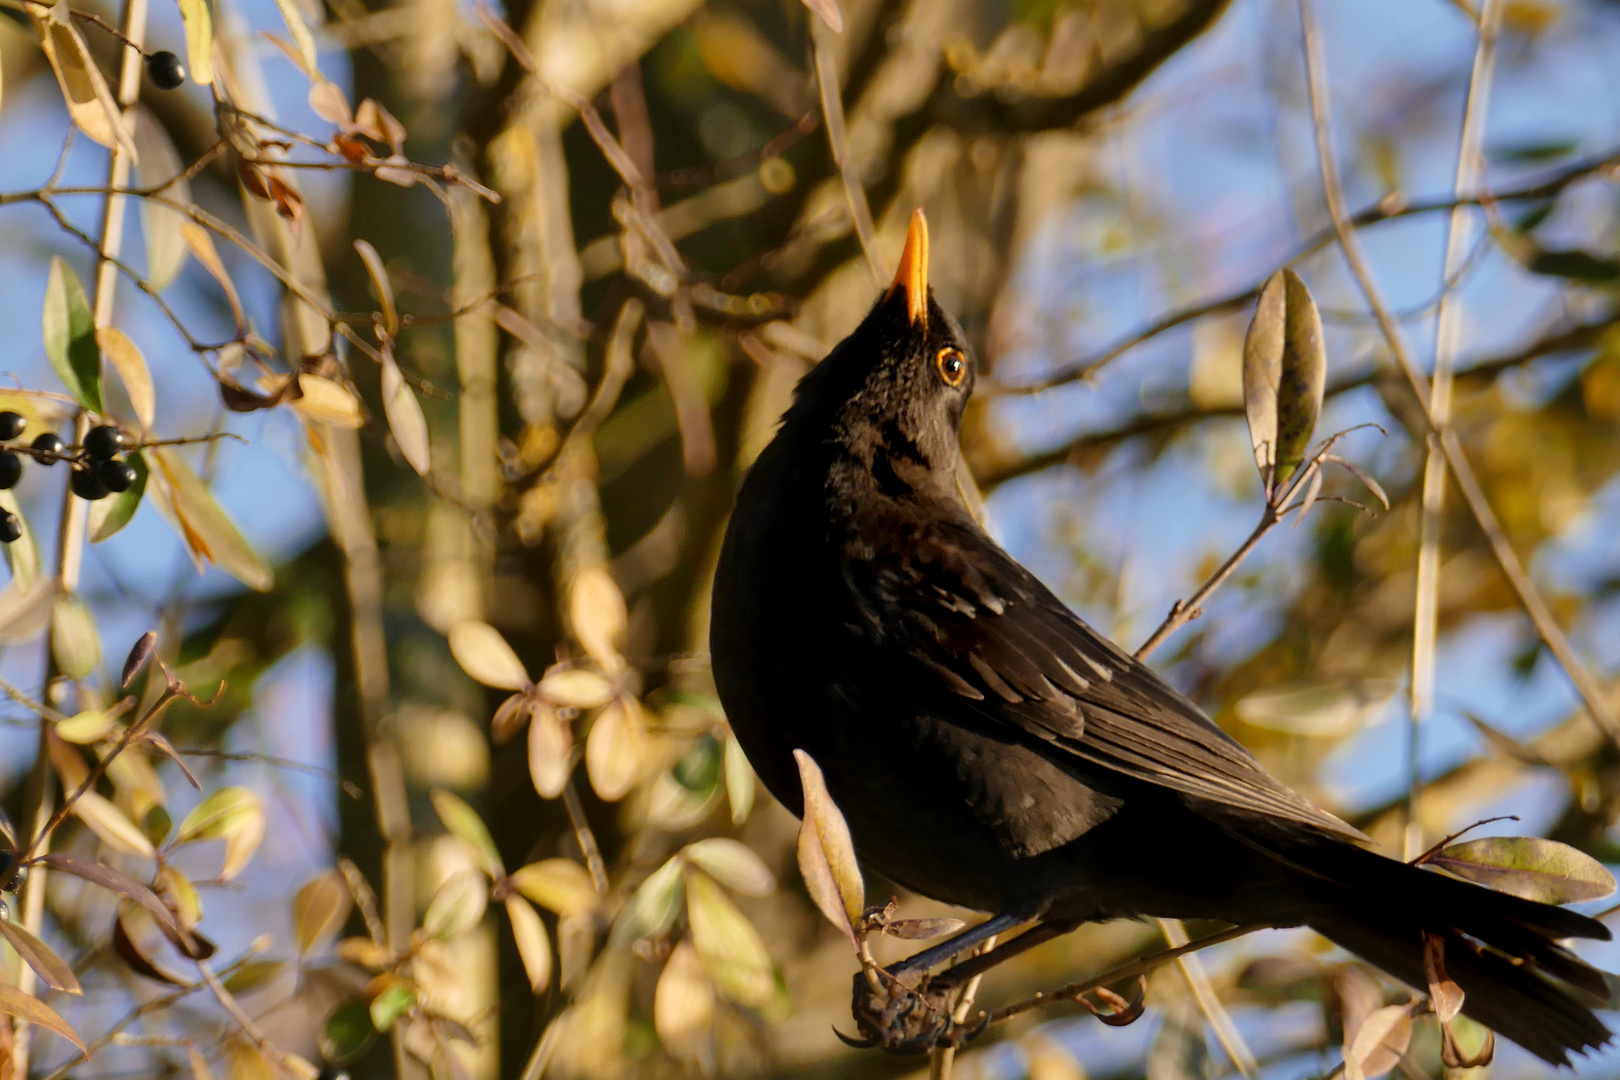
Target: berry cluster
(97, 469)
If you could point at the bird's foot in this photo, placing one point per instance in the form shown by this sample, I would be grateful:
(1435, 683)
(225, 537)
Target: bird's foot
(903, 1019)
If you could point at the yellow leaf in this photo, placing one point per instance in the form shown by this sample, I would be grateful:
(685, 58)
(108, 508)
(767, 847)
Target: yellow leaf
(598, 614)
(730, 947)
(205, 527)
(89, 102)
(328, 402)
(484, 654)
(320, 909)
(126, 359)
(683, 1005)
(827, 854)
(405, 417)
(533, 945)
(560, 885)
(613, 748)
(111, 826)
(551, 752)
(199, 27)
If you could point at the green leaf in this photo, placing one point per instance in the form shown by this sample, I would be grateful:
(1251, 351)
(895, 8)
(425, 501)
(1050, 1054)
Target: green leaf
(70, 335)
(232, 814)
(1528, 866)
(254, 975)
(652, 908)
(22, 554)
(390, 1005)
(1284, 376)
(75, 642)
(348, 1033)
(739, 782)
(465, 825)
(108, 516)
(457, 905)
(729, 946)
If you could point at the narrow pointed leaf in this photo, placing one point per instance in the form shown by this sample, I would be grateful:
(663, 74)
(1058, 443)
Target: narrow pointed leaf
(727, 943)
(1284, 375)
(35, 1011)
(319, 910)
(731, 863)
(198, 20)
(1379, 1043)
(111, 825)
(827, 854)
(652, 908)
(126, 359)
(533, 945)
(465, 825)
(165, 244)
(551, 752)
(560, 885)
(75, 641)
(683, 1004)
(204, 526)
(457, 905)
(614, 747)
(380, 285)
(55, 971)
(70, 335)
(90, 103)
(1530, 867)
(405, 419)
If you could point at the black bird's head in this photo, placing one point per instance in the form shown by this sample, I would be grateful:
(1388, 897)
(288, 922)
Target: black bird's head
(892, 393)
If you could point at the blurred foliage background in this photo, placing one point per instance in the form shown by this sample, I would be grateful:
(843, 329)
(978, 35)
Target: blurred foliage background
(501, 605)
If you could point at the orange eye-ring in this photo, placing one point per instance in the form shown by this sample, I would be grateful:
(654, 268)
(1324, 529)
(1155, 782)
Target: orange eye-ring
(952, 366)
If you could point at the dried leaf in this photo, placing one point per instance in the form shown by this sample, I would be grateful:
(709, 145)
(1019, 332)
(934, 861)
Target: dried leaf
(320, 909)
(70, 335)
(1445, 995)
(328, 100)
(1530, 867)
(1284, 374)
(614, 747)
(1378, 1043)
(740, 783)
(484, 654)
(111, 825)
(75, 641)
(1363, 475)
(254, 975)
(55, 971)
(232, 814)
(379, 274)
(206, 529)
(202, 248)
(198, 19)
(731, 863)
(560, 885)
(108, 516)
(827, 854)
(378, 124)
(301, 36)
(575, 688)
(457, 905)
(551, 752)
(113, 880)
(598, 614)
(126, 359)
(405, 419)
(827, 11)
(652, 908)
(328, 402)
(533, 945)
(683, 1005)
(35, 1011)
(82, 729)
(729, 946)
(165, 245)
(921, 929)
(465, 825)
(89, 102)
(26, 612)
(140, 654)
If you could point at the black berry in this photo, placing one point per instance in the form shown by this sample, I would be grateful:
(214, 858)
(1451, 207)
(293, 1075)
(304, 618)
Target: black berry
(103, 442)
(86, 484)
(49, 445)
(10, 469)
(116, 475)
(165, 70)
(19, 878)
(10, 528)
(11, 425)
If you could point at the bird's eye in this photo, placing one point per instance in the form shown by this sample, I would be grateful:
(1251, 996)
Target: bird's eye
(952, 367)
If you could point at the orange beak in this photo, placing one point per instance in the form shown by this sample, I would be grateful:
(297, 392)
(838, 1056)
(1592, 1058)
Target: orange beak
(912, 276)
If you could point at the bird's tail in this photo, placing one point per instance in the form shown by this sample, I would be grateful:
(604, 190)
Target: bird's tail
(1503, 951)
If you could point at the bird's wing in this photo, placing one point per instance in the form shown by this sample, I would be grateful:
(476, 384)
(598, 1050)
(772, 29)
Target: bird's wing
(943, 594)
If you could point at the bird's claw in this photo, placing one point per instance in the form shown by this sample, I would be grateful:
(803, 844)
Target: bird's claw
(903, 1019)
(1122, 1012)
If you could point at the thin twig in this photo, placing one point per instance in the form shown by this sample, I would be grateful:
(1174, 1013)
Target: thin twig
(1215, 1014)
(1387, 209)
(832, 109)
(585, 837)
(1140, 966)
(942, 1059)
(1529, 596)
(1426, 618)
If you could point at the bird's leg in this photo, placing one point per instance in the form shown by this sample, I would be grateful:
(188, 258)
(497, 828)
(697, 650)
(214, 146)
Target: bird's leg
(919, 963)
(978, 965)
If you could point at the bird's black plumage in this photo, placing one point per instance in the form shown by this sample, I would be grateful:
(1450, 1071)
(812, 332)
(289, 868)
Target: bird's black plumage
(990, 749)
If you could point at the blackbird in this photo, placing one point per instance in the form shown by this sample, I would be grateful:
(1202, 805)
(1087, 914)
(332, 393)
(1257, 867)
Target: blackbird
(991, 750)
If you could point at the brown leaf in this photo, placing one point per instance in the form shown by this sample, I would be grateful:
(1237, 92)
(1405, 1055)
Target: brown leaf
(828, 12)
(597, 612)
(560, 885)
(111, 879)
(1378, 1043)
(90, 103)
(1284, 373)
(55, 971)
(320, 909)
(35, 1011)
(126, 359)
(827, 854)
(379, 273)
(1445, 995)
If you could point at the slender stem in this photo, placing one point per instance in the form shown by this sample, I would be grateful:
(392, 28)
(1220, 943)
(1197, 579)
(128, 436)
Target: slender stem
(1425, 622)
(1184, 612)
(1140, 966)
(1215, 1014)
(1529, 596)
(942, 1059)
(832, 109)
(585, 837)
